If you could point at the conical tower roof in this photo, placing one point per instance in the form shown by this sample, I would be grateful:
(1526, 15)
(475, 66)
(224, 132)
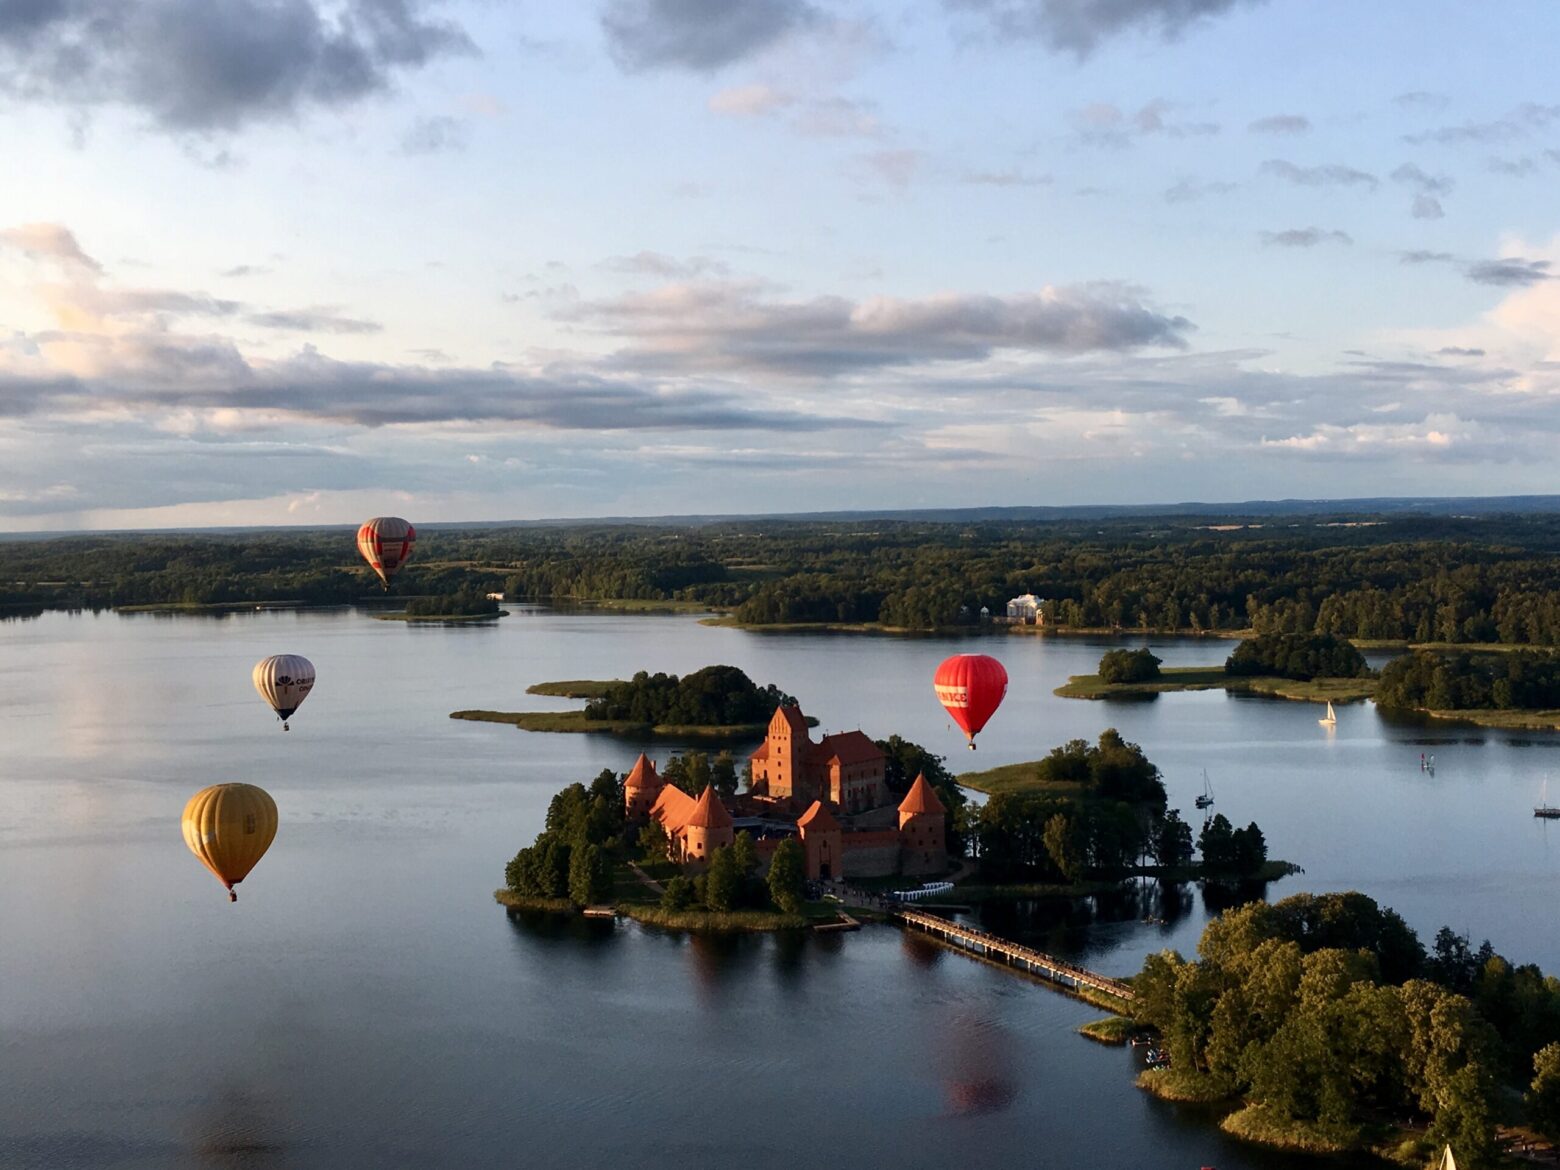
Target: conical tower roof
(643, 774)
(921, 798)
(709, 813)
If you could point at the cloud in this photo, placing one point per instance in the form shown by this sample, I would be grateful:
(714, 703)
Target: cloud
(665, 267)
(242, 270)
(1281, 124)
(1509, 272)
(697, 35)
(1426, 207)
(897, 168)
(1411, 175)
(1421, 99)
(1190, 190)
(1081, 26)
(1460, 351)
(49, 241)
(214, 65)
(1305, 238)
(1519, 123)
(1009, 178)
(1329, 175)
(732, 326)
(434, 136)
(1420, 256)
(1105, 124)
(316, 320)
(750, 101)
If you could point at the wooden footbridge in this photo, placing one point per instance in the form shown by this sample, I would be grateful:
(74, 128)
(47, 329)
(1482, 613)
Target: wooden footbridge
(991, 946)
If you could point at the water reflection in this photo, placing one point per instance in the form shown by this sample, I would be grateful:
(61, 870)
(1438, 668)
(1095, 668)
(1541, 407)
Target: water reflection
(235, 1132)
(975, 1058)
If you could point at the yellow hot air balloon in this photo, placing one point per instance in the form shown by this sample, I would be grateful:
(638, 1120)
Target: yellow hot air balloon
(284, 681)
(229, 827)
(386, 543)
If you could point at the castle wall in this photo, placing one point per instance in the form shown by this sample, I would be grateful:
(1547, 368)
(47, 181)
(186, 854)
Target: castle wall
(871, 854)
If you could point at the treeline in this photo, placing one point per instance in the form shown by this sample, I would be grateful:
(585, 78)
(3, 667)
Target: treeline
(466, 601)
(1415, 578)
(731, 880)
(1325, 1013)
(714, 696)
(1297, 656)
(1108, 818)
(1506, 680)
(571, 858)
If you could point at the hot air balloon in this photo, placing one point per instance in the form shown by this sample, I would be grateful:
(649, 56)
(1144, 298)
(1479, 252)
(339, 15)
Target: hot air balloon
(284, 681)
(386, 543)
(229, 827)
(971, 687)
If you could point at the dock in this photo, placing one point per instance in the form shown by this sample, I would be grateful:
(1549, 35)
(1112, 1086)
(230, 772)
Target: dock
(990, 946)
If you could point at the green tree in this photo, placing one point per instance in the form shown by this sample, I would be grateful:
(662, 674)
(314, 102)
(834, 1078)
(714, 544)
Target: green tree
(1065, 846)
(1172, 839)
(677, 894)
(787, 880)
(723, 880)
(590, 875)
(723, 774)
(1129, 666)
(1543, 1098)
(653, 843)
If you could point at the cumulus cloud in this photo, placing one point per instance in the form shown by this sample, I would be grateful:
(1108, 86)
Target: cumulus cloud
(1105, 124)
(1190, 190)
(1326, 175)
(434, 136)
(1307, 237)
(1081, 26)
(1510, 272)
(1426, 207)
(1281, 124)
(214, 65)
(316, 320)
(1460, 351)
(1412, 176)
(1423, 256)
(732, 326)
(697, 35)
(664, 267)
(49, 241)
(1526, 119)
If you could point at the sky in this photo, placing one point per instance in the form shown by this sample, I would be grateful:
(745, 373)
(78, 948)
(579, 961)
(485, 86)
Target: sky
(305, 261)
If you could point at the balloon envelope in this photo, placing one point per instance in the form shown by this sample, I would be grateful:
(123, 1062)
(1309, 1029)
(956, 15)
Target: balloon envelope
(229, 827)
(971, 687)
(386, 543)
(284, 681)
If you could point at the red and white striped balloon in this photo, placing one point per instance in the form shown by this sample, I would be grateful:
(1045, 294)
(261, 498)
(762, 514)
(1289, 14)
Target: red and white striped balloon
(386, 543)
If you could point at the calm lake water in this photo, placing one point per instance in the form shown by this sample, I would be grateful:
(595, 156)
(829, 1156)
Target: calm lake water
(366, 1004)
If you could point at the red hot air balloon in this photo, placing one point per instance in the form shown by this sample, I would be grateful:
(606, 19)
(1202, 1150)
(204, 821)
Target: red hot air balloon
(386, 543)
(971, 687)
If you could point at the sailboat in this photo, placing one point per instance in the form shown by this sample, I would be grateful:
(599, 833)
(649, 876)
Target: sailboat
(1206, 799)
(1544, 808)
(1447, 1161)
(1332, 717)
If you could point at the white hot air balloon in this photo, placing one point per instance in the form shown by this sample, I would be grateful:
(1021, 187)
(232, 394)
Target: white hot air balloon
(284, 681)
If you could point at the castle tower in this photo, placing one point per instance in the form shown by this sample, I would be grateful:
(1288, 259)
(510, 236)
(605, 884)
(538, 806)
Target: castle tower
(923, 829)
(780, 762)
(707, 828)
(640, 790)
(822, 843)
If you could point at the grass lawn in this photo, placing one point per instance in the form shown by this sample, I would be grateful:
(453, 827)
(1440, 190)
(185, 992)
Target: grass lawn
(575, 688)
(1111, 1030)
(1016, 778)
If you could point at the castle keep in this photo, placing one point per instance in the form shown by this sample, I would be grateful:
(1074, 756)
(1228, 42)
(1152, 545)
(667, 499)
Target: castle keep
(831, 795)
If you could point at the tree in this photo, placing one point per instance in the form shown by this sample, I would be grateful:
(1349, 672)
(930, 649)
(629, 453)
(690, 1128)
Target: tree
(1543, 1098)
(1172, 839)
(677, 894)
(723, 774)
(787, 879)
(1216, 843)
(590, 876)
(1065, 846)
(1129, 666)
(723, 880)
(653, 843)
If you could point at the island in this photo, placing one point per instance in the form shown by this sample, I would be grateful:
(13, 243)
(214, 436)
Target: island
(466, 604)
(717, 703)
(1493, 688)
(1314, 668)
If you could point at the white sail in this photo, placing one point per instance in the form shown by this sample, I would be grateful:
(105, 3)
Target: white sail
(1447, 1161)
(1331, 718)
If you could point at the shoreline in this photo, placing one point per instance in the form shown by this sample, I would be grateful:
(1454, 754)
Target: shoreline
(575, 723)
(1212, 678)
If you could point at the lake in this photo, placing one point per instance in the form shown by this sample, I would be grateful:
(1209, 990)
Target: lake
(366, 1004)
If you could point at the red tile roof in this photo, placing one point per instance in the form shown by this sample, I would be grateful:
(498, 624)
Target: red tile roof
(643, 775)
(672, 808)
(921, 798)
(709, 813)
(794, 716)
(817, 817)
(848, 747)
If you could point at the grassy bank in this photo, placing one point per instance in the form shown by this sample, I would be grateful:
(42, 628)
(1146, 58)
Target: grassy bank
(1254, 1123)
(575, 721)
(1511, 720)
(1111, 1030)
(729, 921)
(729, 621)
(1175, 1084)
(574, 688)
(440, 617)
(1022, 777)
(1208, 678)
(514, 901)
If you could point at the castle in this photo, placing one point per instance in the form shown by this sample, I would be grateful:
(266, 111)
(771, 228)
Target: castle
(832, 796)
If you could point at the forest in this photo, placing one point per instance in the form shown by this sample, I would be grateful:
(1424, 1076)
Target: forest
(717, 696)
(1394, 577)
(1326, 1015)
(1505, 680)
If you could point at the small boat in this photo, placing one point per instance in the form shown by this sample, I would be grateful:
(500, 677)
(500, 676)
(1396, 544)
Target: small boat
(1544, 809)
(1206, 799)
(1332, 717)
